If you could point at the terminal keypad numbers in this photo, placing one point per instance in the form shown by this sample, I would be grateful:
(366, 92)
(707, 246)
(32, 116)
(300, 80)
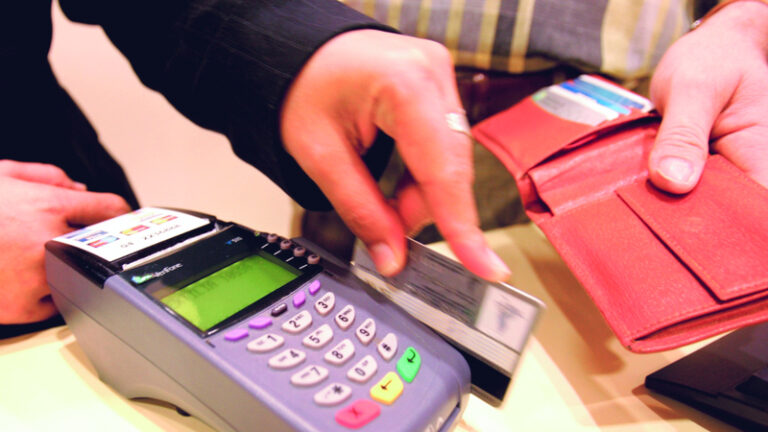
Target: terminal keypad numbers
(341, 335)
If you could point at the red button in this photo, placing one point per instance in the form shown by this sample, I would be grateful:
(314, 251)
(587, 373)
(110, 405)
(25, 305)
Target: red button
(358, 414)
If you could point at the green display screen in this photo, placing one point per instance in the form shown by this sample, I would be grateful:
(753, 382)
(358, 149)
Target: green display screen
(220, 295)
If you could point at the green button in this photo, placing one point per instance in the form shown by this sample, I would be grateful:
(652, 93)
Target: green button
(409, 364)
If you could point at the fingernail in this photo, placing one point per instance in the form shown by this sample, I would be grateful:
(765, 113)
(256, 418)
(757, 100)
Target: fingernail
(676, 169)
(384, 258)
(80, 186)
(499, 267)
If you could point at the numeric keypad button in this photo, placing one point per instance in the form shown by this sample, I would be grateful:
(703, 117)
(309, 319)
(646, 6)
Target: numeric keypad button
(366, 331)
(388, 389)
(363, 370)
(287, 359)
(345, 317)
(388, 346)
(341, 353)
(309, 376)
(318, 338)
(325, 304)
(300, 322)
(265, 343)
(333, 394)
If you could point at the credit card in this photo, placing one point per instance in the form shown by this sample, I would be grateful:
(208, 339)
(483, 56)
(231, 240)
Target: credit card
(589, 100)
(569, 106)
(616, 94)
(489, 323)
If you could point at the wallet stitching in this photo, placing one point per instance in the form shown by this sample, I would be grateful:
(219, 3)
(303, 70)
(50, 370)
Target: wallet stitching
(658, 229)
(653, 223)
(748, 181)
(565, 249)
(613, 318)
(576, 204)
(642, 330)
(758, 189)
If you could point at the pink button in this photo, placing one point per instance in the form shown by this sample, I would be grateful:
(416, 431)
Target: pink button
(314, 287)
(358, 414)
(236, 334)
(299, 298)
(259, 323)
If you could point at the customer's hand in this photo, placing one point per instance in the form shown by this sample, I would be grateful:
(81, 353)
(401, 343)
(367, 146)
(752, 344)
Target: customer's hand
(37, 203)
(366, 80)
(712, 89)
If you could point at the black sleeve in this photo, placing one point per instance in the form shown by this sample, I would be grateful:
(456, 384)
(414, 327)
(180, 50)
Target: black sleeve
(227, 64)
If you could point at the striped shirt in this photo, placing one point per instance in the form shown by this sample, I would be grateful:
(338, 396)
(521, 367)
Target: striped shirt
(621, 38)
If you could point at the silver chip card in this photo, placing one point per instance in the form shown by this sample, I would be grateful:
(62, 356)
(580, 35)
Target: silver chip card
(489, 323)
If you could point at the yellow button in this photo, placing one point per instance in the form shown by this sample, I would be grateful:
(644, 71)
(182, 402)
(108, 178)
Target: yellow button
(388, 389)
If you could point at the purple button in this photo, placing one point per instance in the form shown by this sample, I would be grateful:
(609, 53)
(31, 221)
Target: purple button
(236, 334)
(314, 287)
(299, 299)
(259, 323)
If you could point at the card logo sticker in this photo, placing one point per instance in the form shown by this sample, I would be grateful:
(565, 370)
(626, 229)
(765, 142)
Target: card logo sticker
(163, 219)
(103, 241)
(124, 235)
(134, 230)
(88, 236)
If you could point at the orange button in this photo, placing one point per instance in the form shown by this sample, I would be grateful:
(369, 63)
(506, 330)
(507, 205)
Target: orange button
(358, 414)
(388, 389)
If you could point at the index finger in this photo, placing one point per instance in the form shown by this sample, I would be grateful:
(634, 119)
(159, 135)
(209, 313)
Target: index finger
(440, 161)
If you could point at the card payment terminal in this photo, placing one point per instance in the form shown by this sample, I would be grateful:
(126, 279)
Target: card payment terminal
(248, 331)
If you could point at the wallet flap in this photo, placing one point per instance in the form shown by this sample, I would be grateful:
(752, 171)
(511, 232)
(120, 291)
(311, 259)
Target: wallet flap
(719, 230)
(664, 270)
(592, 172)
(551, 120)
(638, 285)
(521, 138)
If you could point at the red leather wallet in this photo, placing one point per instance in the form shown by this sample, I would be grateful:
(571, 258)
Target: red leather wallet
(664, 270)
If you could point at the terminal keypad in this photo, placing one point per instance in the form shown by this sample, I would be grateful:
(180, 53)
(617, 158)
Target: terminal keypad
(322, 322)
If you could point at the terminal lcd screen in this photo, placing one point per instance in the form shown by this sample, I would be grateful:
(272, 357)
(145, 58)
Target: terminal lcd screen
(216, 297)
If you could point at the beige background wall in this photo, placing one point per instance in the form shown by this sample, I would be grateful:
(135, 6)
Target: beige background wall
(169, 160)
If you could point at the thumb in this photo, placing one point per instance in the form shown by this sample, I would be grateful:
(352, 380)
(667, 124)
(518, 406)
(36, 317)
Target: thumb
(85, 208)
(678, 156)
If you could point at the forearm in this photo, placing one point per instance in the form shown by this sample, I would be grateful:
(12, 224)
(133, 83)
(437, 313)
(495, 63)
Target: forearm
(227, 64)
